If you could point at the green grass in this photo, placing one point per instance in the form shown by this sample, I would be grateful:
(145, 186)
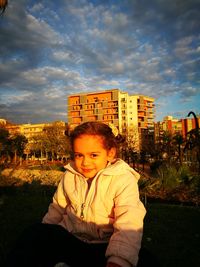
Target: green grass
(171, 232)
(19, 208)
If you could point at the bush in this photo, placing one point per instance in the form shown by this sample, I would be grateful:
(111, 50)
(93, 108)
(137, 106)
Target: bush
(172, 177)
(155, 165)
(168, 176)
(185, 174)
(195, 184)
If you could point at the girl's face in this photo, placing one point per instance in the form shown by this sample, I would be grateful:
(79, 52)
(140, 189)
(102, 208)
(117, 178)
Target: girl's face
(90, 156)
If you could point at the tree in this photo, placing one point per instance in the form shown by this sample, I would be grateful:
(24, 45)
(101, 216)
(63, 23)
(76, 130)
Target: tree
(178, 142)
(4, 143)
(130, 147)
(4, 135)
(167, 147)
(56, 141)
(18, 144)
(143, 158)
(3, 6)
(52, 142)
(37, 145)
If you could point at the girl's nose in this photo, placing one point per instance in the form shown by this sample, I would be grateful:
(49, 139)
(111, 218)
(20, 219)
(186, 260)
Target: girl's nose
(86, 161)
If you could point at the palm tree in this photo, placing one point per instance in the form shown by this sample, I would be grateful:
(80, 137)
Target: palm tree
(3, 5)
(167, 148)
(178, 142)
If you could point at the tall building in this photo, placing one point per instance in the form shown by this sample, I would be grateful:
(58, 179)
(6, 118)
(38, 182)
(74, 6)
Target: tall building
(131, 114)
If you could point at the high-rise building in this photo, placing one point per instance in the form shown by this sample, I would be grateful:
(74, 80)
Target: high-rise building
(131, 114)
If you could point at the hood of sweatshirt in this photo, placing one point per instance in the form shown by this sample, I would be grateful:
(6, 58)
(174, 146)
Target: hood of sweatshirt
(116, 167)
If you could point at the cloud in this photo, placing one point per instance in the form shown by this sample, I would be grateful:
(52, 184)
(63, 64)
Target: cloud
(189, 92)
(17, 98)
(50, 51)
(170, 18)
(24, 36)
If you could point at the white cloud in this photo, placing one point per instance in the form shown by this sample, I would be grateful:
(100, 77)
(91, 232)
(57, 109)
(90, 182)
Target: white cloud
(17, 98)
(54, 93)
(37, 7)
(49, 51)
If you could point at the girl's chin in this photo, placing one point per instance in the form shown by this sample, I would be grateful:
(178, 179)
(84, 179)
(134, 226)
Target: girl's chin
(88, 176)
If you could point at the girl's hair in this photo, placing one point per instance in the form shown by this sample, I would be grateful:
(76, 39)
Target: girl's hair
(96, 128)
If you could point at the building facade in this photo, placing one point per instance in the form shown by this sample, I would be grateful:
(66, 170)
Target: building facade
(175, 126)
(32, 132)
(131, 114)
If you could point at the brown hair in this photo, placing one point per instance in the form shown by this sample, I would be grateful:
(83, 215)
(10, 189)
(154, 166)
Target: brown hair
(96, 128)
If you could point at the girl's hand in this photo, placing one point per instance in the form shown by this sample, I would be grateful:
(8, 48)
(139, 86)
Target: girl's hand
(112, 264)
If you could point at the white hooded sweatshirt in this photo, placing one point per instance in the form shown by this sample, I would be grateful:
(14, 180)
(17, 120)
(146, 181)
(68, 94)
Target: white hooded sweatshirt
(107, 210)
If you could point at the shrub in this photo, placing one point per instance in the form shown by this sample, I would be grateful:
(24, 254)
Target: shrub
(155, 165)
(185, 174)
(172, 176)
(195, 184)
(168, 176)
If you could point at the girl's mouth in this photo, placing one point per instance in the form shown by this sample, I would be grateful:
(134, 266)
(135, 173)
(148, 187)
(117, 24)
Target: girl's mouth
(86, 170)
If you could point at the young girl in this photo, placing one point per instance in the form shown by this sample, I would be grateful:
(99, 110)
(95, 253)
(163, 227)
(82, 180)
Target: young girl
(96, 217)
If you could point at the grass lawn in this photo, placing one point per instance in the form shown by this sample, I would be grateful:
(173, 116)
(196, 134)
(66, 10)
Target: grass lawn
(172, 232)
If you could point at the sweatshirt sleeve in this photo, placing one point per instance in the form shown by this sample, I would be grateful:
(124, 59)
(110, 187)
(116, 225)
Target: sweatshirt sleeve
(57, 207)
(129, 214)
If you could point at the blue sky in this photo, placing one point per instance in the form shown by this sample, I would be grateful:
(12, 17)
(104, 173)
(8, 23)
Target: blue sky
(51, 49)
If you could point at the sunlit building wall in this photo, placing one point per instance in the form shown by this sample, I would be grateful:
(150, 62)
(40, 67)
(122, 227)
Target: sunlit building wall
(31, 130)
(174, 126)
(129, 113)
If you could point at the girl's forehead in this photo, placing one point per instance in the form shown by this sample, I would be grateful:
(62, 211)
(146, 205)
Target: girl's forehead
(94, 137)
(88, 141)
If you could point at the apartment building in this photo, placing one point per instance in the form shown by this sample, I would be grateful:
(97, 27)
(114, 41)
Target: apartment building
(174, 126)
(33, 130)
(188, 124)
(131, 114)
(30, 130)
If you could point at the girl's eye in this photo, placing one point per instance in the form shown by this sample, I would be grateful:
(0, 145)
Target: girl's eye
(94, 155)
(77, 156)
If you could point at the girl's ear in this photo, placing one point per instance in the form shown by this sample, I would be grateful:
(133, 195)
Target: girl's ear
(111, 154)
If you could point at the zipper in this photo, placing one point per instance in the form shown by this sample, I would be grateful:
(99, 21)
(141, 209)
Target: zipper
(82, 208)
(85, 198)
